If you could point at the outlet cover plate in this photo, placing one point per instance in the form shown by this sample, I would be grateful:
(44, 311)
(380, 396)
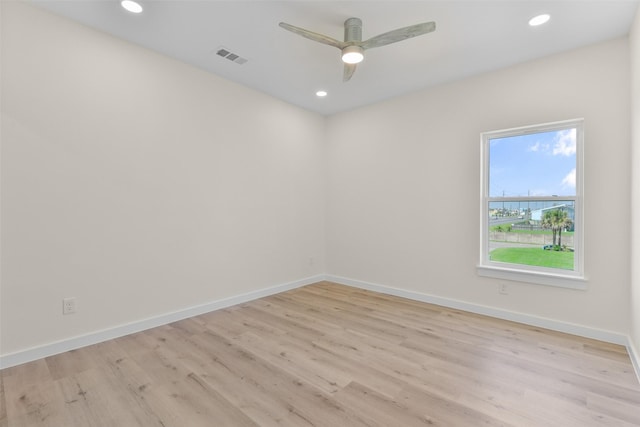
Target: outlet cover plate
(68, 306)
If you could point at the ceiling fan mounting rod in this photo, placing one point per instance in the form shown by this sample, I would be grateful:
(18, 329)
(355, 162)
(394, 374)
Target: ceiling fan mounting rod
(353, 30)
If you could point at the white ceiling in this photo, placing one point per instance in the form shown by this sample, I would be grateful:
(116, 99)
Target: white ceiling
(472, 37)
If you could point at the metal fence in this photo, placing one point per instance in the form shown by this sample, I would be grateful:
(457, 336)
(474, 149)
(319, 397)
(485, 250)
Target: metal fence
(532, 239)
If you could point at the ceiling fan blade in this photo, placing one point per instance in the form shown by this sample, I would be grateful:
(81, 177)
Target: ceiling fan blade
(399, 35)
(320, 38)
(349, 69)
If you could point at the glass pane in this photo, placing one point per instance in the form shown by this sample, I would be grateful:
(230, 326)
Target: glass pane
(538, 233)
(539, 164)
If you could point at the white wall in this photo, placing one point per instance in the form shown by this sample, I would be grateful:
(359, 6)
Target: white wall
(140, 185)
(635, 186)
(403, 191)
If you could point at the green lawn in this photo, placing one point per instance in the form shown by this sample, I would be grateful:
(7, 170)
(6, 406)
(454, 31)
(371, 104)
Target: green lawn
(533, 256)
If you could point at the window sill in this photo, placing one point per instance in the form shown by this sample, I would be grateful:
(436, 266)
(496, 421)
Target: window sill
(540, 278)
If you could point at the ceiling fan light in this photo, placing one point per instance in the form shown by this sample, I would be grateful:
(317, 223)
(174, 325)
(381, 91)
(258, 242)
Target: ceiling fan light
(352, 54)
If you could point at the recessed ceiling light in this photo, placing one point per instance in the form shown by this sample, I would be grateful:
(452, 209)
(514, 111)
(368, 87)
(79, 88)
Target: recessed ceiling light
(321, 93)
(131, 6)
(539, 20)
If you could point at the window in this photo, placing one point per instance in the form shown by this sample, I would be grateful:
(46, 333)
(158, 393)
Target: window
(531, 204)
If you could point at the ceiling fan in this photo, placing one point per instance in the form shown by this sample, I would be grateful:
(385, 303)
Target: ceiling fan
(353, 46)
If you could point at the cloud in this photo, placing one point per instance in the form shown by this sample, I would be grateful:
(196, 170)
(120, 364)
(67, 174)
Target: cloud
(565, 143)
(535, 147)
(538, 147)
(570, 179)
(538, 192)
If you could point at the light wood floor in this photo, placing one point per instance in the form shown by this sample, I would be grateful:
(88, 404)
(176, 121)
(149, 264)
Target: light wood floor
(329, 355)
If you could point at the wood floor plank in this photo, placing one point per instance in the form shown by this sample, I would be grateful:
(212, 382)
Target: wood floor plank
(295, 394)
(35, 405)
(95, 399)
(263, 408)
(571, 414)
(616, 408)
(194, 400)
(448, 412)
(3, 405)
(329, 355)
(381, 410)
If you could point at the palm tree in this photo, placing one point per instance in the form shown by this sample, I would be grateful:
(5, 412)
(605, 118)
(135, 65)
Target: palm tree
(556, 220)
(563, 222)
(548, 222)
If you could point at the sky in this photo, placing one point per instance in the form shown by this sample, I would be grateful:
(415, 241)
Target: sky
(539, 164)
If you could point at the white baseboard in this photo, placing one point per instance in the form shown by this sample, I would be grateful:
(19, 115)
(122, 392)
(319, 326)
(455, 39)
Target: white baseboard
(541, 322)
(50, 349)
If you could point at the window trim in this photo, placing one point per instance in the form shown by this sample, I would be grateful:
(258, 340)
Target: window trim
(574, 279)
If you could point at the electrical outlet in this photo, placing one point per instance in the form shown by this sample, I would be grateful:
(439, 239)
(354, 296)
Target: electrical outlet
(68, 306)
(503, 289)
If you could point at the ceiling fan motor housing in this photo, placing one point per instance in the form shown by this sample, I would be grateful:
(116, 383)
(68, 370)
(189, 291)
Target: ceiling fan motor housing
(353, 30)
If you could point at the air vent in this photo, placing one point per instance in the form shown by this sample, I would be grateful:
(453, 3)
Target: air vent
(227, 54)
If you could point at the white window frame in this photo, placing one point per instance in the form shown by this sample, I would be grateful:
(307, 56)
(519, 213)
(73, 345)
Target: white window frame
(574, 279)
